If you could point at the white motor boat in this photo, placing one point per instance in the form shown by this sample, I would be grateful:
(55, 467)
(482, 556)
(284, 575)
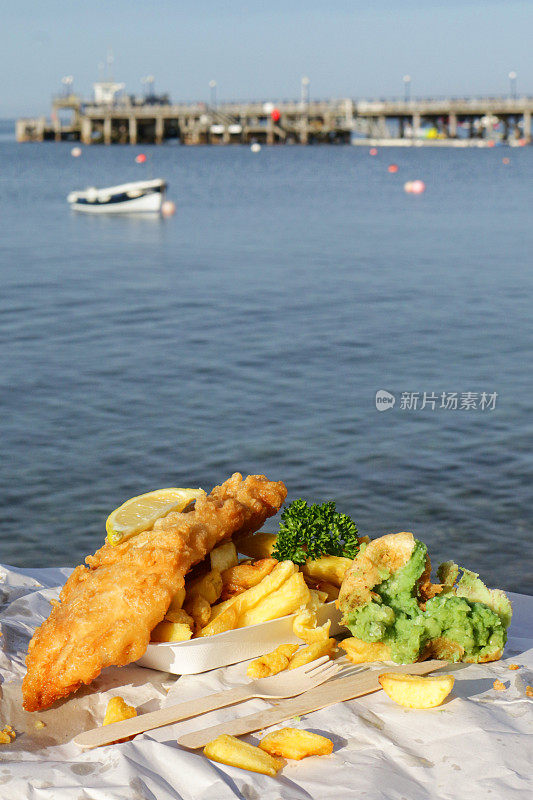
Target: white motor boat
(135, 197)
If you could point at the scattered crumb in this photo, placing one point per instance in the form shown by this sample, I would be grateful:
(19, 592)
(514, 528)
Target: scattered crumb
(514, 666)
(499, 686)
(40, 724)
(117, 710)
(7, 735)
(529, 691)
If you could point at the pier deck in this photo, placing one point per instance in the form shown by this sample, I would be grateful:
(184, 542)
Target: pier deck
(332, 121)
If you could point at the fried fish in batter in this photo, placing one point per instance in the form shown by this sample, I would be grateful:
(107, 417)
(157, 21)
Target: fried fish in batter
(109, 607)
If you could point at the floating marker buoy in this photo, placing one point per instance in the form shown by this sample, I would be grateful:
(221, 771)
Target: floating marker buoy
(393, 168)
(75, 152)
(506, 160)
(408, 187)
(168, 208)
(491, 143)
(140, 159)
(373, 151)
(256, 147)
(417, 187)
(275, 115)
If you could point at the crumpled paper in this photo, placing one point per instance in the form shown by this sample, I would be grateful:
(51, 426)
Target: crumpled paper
(475, 744)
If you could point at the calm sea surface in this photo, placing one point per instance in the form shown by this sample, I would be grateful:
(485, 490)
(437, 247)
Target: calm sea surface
(251, 332)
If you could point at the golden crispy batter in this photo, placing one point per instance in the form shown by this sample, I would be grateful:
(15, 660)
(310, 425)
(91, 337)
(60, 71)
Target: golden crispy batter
(388, 553)
(243, 576)
(427, 589)
(109, 608)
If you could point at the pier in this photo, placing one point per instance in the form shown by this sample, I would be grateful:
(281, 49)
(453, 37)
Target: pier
(449, 121)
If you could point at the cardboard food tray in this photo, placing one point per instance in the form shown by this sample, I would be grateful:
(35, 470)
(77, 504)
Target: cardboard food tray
(203, 654)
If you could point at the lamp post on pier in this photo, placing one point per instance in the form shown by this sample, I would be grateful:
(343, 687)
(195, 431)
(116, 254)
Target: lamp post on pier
(213, 94)
(67, 82)
(304, 95)
(406, 88)
(148, 84)
(512, 84)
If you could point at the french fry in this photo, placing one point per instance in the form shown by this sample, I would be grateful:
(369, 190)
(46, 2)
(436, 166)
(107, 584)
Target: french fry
(272, 663)
(288, 598)
(177, 600)
(226, 621)
(171, 632)
(331, 569)
(360, 652)
(224, 556)
(257, 545)
(416, 691)
(251, 597)
(180, 616)
(314, 601)
(331, 591)
(117, 710)
(199, 609)
(230, 750)
(296, 744)
(242, 577)
(311, 652)
(208, 586)
(305, 627)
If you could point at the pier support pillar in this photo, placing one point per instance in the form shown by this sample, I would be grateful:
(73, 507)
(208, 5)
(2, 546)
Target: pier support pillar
(107, 130)
(526, 131)
(86, 130)
(133, 130)
(270, 130)
(304, 130)
(159, 130)
(506, 129)
(452, 126)
(416, 125)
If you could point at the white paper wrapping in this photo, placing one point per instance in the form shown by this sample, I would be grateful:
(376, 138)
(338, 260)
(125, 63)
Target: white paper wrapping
(476, 745)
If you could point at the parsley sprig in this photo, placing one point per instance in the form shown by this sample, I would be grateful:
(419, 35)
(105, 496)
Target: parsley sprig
(314, 531)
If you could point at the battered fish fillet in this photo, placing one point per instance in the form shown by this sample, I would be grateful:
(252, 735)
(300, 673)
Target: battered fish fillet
(109, 608)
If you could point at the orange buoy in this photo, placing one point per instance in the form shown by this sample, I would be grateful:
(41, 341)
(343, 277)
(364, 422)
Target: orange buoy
(373, 151)
(393, 168)
(506, 160)
(418, 187)
(140, 159)
(168, 208)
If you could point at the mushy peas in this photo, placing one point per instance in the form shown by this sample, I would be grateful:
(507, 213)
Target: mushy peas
(387, 597)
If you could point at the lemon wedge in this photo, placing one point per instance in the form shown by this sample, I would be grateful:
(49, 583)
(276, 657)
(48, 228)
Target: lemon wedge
(141, 512)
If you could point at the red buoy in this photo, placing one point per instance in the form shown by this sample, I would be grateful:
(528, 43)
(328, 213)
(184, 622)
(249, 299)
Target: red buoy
(373, 151)
(393, 168)
(506, 160)
(140, 159)
(275, 115)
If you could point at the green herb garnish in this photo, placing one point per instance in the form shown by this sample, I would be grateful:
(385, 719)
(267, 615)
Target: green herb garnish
(314, 531)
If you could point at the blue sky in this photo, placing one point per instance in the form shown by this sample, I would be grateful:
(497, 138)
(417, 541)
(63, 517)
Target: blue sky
(262, 49)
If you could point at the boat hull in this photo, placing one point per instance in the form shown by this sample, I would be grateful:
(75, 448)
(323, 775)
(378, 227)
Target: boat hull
(127, 198)
(149, 203)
